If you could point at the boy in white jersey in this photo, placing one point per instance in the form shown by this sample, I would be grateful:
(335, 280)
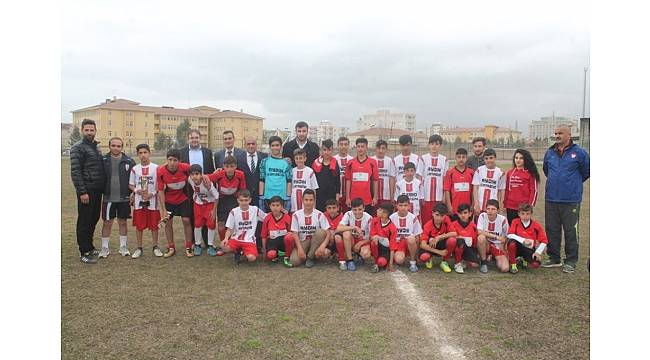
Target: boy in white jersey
(411, 187)
(387, 172)
(302, 178)
(342, 158)
(310, 236)
(205, 209)
(488, 183)
(432, 168)
(492, 232)
(146, 215)
(355, 226)
(240, 228)
(405, 143)
(408, 234)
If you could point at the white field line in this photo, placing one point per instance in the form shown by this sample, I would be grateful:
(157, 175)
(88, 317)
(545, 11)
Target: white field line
(427, 318)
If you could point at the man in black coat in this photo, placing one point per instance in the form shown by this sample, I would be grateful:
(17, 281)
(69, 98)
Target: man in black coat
(249, 163)
(301, 141)
(87, 172)
(192, 154)
(228, 150)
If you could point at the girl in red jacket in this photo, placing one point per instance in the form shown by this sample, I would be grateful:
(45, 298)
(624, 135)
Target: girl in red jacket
(521, 183)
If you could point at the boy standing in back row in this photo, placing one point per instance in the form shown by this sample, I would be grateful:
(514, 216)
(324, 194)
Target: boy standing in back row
(387, 172)
(488, 183)
(432, 168)
(458, 184)
(405, 143)
(342, 158)
(275, 176)
(302, 178)
(362, 177)
(145, 210)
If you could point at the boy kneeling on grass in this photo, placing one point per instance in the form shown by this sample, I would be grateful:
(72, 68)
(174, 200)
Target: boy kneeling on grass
(383, 233)
(408, 235)
(240, 228)
(309, 232)
(437, 238)
(526, 238)
(355, 226)
(492, 229)
(466, 235)
(277, 241)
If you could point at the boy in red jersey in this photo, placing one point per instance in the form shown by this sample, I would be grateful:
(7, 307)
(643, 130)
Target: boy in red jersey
(205, 209)
(432, 168)
(343, 158)
(437, 238)
(526, 238)
(355, 227)
(464, 229)
(387, 172)
(173, 200)
(411, 187)
(361, 177)
(382, 233)
(240, 228)
(458, 184)
(276, 239)
(405, 157)
(409, 230)
(335, 244)
(492, 231)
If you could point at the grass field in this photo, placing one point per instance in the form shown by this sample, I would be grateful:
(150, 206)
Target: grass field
(205, 307)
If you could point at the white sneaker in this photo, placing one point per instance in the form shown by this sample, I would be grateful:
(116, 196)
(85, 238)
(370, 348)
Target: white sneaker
(124, 251)
(136, 254)
(157, 252)
(459, 268)
(342, 266)
(104, 253)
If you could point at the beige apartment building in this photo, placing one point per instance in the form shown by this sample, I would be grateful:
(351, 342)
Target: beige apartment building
(138, 124)
(492, 133)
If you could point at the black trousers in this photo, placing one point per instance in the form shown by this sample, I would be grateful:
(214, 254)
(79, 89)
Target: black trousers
(87, 217)
(511, 214)
(562, 217)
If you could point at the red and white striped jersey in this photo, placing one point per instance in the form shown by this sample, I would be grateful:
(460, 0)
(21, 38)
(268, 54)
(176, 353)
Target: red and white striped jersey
(306, 225)
(489, 182)
(301, 180)
(343, 163)
(406, 226)
(432, 170)
(401, 160)
(363, 223)
(243, 223)
(412, 189)
(498, 227)
(387, 169)
(203, 195)
(140, 174)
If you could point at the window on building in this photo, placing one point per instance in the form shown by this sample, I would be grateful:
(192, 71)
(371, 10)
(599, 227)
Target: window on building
(109, 134)
(146, 134)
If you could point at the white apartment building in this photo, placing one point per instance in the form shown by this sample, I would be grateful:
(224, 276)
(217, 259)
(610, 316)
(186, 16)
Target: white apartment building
(388, 120)
(544, 128)
(326, 130)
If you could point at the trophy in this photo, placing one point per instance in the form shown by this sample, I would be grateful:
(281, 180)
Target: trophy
(164, 220)
(144, 186)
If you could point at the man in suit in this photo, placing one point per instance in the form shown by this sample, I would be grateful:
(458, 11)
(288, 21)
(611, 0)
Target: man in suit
(249, 162)
(301, 141)
(229, 149)
(192, 154)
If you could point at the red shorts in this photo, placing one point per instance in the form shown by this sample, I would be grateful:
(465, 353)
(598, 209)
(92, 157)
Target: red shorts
(495, 251)
(358, 240)
(146, 219)
(246, 247)
(202, 216)
(400, 245)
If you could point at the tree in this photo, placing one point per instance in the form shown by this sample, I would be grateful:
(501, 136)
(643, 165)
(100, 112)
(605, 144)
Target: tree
(75, 136)
(458, 141)
(163, 142)
(181, 133)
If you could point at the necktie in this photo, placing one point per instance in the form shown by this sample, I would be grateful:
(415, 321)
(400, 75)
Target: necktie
(229, 152)
(252, 162)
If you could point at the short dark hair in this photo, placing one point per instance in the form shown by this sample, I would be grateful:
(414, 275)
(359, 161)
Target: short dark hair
(380, 143)
(327, 143)
(403, 199)
(342, 138)
(244, 193)
(302, 124)
(88, 122)
(331, 202)
(229, 132)
(229, 160)
(299, 151)
(195, 131)
(462, 207)
(477, 139)
(461, 151)
(405, 139)
(175, 153)
(275, 138)
(388, 207)
(115, 138)
(435, 138)
(492, 202)
(276, 199)
(308, 192)
(525, 207)
(440, 208)
(196, 168)
(409, 165)
(489, 152)
(142, 146)
(356, 202)
(361, 141)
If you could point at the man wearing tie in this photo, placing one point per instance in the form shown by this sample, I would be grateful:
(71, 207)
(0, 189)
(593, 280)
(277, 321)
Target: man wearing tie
(229, 149)
(248, 162)
(192, 154)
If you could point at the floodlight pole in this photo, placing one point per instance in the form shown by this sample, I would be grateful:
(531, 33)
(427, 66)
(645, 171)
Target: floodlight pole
(584, 93)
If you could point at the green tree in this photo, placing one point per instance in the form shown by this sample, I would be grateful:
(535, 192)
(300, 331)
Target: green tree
(163, 142)
(75, 136)
(458, 141)
(181, 133)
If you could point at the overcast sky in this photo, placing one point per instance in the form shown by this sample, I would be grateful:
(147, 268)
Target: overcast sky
(466, 64)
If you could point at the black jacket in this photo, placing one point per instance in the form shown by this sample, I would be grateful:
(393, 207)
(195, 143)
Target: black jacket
(252, 179)
(313, 151)
(86, 167)
(208, 161)
(126, 164)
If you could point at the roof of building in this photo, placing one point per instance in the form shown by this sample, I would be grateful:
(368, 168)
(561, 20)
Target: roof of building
(66, 126)
(375, 131)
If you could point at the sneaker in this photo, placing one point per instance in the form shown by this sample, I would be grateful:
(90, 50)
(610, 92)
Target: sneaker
(551, 263)
(157, 252)
(429, 263)
(212, 251)
(197, 250)
(514, 269)
(189, 253)
(309, 263)
(220, 252)
(88, 258)
(124, 251)
(104, 253)
(170, 252)
(458, 267)
(342, 266)
(569, 268)
(137, 253)
(444, 266)
(483, 268)
(237, 257)
(374, 268)
(350, 266)
(413, 268)
(286, 262)
(281, 253)
(94, 252)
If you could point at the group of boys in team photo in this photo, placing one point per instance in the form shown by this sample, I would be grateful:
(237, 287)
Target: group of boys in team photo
(304, 204)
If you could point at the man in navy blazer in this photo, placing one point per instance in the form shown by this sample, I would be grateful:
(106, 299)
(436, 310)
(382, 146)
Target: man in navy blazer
(229, 149)
(251, 158)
